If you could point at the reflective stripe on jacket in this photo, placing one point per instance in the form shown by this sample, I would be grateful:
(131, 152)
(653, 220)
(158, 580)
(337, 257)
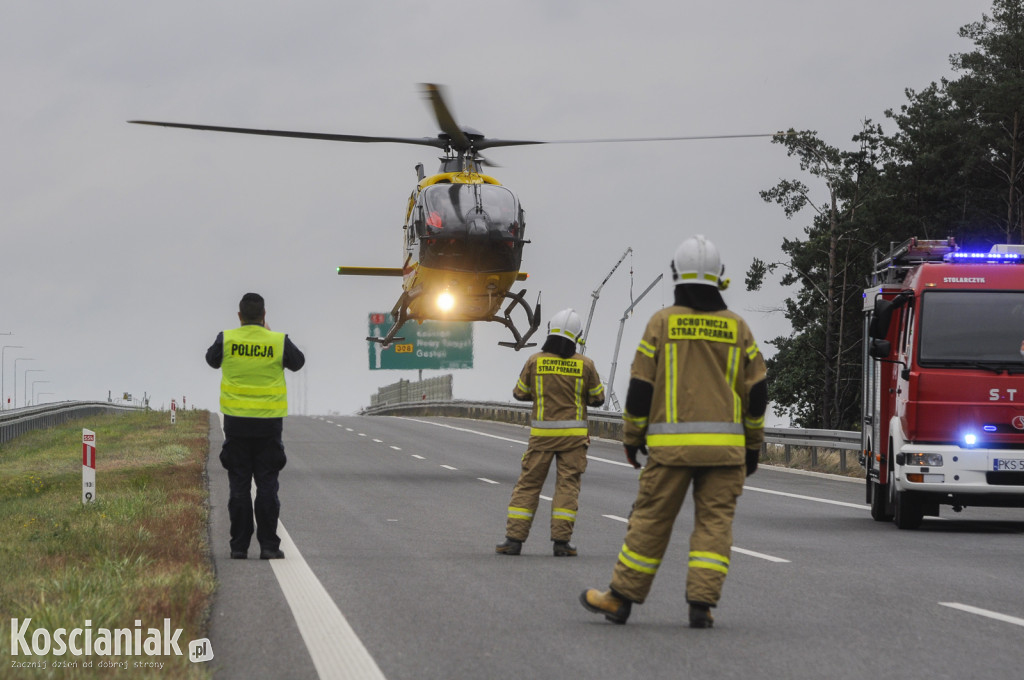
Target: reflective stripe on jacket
(252, 373)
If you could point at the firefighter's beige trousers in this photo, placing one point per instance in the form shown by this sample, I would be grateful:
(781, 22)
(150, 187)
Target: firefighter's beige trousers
(662, 489)
(570, 466)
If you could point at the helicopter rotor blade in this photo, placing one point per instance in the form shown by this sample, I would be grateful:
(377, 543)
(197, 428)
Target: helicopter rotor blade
(435, 95)
(493, 143)
(663, 139)
(422, 141)
(487, 162)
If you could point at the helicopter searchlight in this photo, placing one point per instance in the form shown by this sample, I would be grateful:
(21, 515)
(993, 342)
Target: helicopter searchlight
(445, 301)
(463, 233)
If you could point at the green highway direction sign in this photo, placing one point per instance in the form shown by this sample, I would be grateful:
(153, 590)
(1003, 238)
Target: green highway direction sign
(431, 344)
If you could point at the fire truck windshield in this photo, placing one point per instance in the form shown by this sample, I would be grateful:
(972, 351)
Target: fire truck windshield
(971, 327)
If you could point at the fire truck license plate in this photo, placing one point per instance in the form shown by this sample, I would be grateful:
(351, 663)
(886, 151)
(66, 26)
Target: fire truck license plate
(1007, 464)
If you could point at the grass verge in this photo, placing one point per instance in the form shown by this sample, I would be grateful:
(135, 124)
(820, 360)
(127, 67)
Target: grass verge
(139, 553)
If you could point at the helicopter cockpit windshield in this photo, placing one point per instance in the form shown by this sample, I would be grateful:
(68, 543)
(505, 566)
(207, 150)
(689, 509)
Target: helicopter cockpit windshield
(469, 227)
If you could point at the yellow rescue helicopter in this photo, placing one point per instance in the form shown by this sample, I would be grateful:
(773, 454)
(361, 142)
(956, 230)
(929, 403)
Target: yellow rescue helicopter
(464, 231)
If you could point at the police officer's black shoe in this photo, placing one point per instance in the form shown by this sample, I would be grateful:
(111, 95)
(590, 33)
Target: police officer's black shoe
(564, 549)
(271, 554)
(239, 554)
(614, 607)
(510, 547)
(700, 616)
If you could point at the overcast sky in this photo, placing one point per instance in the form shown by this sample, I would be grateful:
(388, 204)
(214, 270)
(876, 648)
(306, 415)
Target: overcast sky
(126, 248)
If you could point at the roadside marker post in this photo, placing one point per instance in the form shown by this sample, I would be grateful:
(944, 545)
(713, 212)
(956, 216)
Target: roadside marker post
(174, 410)
(88, 466)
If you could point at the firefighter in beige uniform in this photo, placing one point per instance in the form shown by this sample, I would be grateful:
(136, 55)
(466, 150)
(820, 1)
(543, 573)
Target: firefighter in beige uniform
(561, 384)
(696, 398)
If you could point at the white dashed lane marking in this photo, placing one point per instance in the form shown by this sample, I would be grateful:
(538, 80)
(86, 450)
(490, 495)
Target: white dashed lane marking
(750, 553)
(1005, 618)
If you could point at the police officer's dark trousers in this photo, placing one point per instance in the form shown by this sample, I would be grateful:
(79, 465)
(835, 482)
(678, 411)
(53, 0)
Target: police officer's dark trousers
(247, 459)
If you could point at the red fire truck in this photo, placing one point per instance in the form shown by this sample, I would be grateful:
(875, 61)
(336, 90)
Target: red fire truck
(943, 397)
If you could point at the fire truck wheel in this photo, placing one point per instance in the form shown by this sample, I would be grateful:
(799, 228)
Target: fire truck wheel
(879, 502)
(908, 513)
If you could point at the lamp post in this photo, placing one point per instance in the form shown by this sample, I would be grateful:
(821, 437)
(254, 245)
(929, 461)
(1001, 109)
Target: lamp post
(24, 380)
(15, 390)
(34, 383)
(2, 403)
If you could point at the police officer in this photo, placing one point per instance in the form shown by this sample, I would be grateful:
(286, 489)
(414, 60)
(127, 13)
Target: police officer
(561, 384)
(696, 401)
(254, 401)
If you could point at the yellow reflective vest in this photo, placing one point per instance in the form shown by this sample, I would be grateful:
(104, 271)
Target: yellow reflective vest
(560, 389)
(252, 373)
(702, 366)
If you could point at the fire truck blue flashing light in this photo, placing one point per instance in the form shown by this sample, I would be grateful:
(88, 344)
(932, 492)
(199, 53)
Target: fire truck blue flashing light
(970, 439)
(987, 258)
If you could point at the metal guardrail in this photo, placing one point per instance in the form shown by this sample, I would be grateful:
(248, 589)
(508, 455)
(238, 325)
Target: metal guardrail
(17, 422)
(814, 440)
(608, 424)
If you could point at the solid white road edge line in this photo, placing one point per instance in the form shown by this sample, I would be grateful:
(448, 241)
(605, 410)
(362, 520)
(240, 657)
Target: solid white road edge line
(464, 429)
(615, 462)
(777, 468)
(751, 553)
(984, 612)
(806, 498)
(506, 439)
(336, 651)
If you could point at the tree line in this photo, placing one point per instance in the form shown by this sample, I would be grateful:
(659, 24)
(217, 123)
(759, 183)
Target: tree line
(954, 166)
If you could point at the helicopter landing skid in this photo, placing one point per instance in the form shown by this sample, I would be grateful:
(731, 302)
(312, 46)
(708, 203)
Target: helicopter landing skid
(400, 314)
(384, 341)
(532, 316)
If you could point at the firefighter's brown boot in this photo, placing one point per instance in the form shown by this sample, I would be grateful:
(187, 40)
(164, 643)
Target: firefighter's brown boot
(614, 607)
(700, 616)
(564, 549)
(510, 547)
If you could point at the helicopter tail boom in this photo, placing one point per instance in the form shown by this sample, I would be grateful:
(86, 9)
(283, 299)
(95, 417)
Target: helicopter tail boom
(370, 271)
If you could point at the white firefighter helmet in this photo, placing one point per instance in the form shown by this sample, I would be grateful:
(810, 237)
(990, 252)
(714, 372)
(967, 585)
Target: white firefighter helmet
(697, 261)
(566, 323)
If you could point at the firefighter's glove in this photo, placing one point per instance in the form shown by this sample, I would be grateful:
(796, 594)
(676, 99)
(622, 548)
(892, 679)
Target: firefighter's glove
(631, 452)
(752, 456)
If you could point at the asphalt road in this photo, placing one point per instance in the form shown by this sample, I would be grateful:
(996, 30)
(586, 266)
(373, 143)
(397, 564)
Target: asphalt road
(397, 519)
